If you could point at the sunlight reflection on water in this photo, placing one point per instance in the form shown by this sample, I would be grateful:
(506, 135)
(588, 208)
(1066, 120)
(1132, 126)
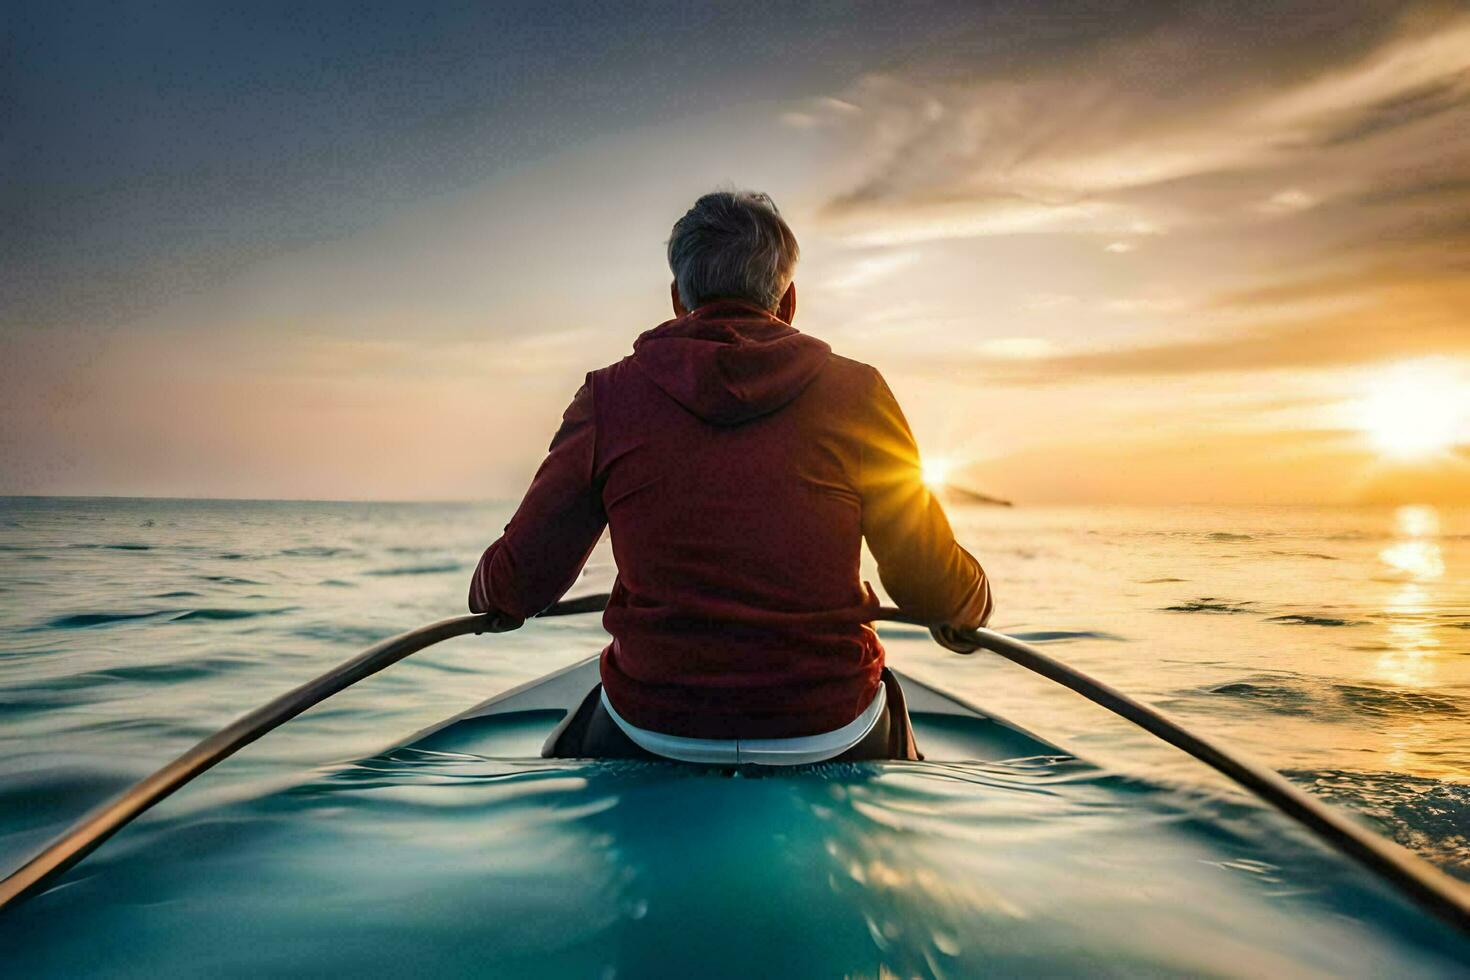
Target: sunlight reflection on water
(1409, 659)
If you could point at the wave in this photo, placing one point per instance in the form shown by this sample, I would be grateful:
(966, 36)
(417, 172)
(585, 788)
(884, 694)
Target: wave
(316, 551)
(1426, 815)
(436, 569)
(152, 729)
(1334, 703)
(224, 614)
(1300, 619)
(228, 580)
(1216, 606)
(1305, 554)
(50, 797)
(1398, 701)
(1210, 604)
(19, 701)
(1227, 536)
(90, 620)
(1279, 698)
(112, 547)
(1058, 636)
(168, 673)
(78, 621)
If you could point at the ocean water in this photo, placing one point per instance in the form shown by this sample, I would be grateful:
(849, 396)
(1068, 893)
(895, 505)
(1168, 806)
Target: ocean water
(1332, 644)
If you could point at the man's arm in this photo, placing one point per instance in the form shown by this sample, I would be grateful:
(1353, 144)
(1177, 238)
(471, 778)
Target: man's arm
(554, 530)
(919, 563)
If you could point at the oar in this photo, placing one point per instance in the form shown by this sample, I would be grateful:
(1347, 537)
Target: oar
(1431, 888)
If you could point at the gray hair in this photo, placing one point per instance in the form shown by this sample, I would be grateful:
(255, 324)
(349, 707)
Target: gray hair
(732, 244)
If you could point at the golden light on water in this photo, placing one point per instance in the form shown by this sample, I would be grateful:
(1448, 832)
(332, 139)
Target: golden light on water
(1415, 554)
(1416, 410)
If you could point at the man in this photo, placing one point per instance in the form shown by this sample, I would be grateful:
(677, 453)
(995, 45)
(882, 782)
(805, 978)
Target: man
(739, 464)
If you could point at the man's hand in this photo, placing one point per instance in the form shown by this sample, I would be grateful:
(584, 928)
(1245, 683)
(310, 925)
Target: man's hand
(951, 638)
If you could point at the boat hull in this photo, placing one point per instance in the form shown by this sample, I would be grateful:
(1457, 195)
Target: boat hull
(516, 724)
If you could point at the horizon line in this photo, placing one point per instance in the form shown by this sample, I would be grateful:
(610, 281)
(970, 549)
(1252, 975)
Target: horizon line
(425, 501)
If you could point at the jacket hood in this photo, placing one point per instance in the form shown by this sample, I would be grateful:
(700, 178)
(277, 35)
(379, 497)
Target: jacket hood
(729, 361)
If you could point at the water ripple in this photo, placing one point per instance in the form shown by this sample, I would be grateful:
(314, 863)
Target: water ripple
(88, 620)
(1209, 604)
(439, 568)
(222, 614)
(1301, 619)
(1059, 636)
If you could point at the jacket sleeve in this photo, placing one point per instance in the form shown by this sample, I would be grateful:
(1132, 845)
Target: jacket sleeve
(555, 528)
(919, 563)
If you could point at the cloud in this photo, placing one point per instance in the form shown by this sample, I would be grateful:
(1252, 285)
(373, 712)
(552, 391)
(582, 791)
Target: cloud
(1398, 323)
(1151, 305)
(1086, 140)
(1016, 348)
(1288, 201)
(871, 268)
(817, 112)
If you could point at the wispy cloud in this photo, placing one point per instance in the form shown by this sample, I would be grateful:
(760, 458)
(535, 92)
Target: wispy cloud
(1088, 140)
(867, 269)
(1398, 323)
(1288, 201)
(817, 112)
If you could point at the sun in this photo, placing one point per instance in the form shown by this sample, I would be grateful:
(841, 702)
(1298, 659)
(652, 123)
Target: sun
(934, 473)
(1416, 410)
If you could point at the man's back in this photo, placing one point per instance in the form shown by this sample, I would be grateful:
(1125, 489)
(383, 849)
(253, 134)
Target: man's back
(732, 494)
(738, 464)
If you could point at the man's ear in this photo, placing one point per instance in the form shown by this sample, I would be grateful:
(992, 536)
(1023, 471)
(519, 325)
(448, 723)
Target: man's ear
(678, 303)
(786, 310)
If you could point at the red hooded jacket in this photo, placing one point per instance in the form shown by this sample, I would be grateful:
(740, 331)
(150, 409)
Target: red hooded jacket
(739, 464)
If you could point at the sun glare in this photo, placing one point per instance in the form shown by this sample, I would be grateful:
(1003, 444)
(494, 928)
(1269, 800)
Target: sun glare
(934, 473)
(1416, 410)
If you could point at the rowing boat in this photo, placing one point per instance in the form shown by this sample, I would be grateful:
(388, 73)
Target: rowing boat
(1000, 852)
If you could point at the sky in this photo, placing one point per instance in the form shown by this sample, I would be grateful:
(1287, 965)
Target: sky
(1104, 253)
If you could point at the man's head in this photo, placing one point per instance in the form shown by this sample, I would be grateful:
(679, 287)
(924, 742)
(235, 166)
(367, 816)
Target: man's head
(734, 245)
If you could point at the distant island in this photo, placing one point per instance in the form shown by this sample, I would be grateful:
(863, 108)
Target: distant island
(967, 496)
